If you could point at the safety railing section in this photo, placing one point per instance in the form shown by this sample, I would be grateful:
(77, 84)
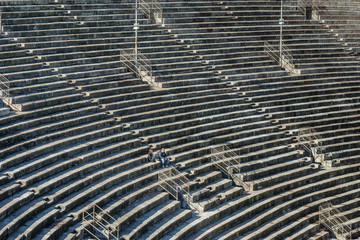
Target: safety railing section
(97, 221)
(152, 9)
(136, 62)
(4, 93)
(177, 185)
(229, 163)
(310, 141)
(285, 61)
(336, 222)
(315, 9)
(174, 182)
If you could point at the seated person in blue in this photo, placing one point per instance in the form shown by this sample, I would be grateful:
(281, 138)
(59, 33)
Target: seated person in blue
(163, 158)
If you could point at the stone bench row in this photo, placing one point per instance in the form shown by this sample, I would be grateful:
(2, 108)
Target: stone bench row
(182, 110)
(33, 121)
(230, 208)
(241, 123)
(253, 152)
(327, 188)
(231, 22)
(69, 143)
(254, 84)
(236, 28)
(275, 212)
(147, 39)
(150, 94)
(313, 217)
(275, 169)
(166, 119)
(269, 181)
(171, 104)
(153, 96)
(218, 136)
(87, 163)
(98, 188)
(278, 112)
(262, 95)
(42, 134)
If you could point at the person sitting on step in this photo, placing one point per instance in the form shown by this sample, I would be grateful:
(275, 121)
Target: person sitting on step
(151, 156)
(163, 158)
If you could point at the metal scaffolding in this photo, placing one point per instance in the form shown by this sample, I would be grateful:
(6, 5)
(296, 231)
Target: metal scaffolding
(333, 220)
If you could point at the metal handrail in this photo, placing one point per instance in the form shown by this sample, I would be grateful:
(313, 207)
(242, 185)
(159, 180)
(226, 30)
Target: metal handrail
(4, 92)
(226, 159)
(171, 180)
(313, 3)
(152, 8)
(142, 67)
(145, 8)
(287, 58)
(310, 140)
(98, 222)
(332, 219)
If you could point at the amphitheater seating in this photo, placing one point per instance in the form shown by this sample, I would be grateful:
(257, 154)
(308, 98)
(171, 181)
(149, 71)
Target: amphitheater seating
(331, 14)
(87, 122)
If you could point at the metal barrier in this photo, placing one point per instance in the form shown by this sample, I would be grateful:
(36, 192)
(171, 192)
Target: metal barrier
(302, 4)
(287, 62)
(333, 220)
(99, 223)
(174, 182)
(152, 10)
(4, 92)
(136, 62)
(177, 185)
(309, 140)
(229, 163)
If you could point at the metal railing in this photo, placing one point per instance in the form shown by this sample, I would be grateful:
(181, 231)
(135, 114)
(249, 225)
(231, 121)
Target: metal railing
(172, 181)
(4, 93)
(309, 140)
(98, 222)
(333, 220)
(137, 63)
(152, 10)
(273, 52)
(228, 162)
(177, 185)
(302, 4)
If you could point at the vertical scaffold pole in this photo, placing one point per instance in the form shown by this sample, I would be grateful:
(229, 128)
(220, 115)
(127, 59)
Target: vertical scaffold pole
(281, 22)
(1, 27)
(136, 27)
